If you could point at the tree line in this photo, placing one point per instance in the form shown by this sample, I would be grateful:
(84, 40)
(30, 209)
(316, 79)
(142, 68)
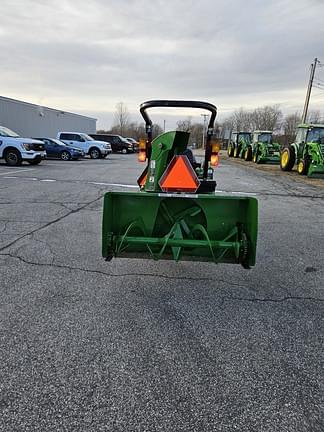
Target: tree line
(122, 125)
(268, 117)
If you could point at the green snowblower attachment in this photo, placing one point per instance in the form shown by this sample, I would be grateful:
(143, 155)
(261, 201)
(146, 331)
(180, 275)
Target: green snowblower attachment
(198, 228)
(177, 215)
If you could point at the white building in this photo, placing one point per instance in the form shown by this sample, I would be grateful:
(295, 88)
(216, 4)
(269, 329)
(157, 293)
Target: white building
(30, 120)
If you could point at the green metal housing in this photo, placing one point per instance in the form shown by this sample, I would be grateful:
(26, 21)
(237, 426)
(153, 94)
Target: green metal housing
(197, 226)
(164, 147)
(172, 226)
(263, 149)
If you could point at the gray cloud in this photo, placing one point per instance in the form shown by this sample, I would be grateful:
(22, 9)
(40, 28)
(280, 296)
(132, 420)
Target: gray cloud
(86, 56)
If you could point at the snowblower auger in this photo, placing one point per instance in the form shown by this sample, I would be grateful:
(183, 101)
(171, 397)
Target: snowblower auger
(176, 215)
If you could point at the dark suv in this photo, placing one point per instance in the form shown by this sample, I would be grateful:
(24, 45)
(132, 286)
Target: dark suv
(117, 142)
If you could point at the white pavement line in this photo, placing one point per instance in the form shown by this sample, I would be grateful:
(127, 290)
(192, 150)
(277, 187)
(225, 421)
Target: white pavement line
(18, 171)
(10, 177)
(232, 192)
(98, 183)
(114, 184)
(47, 180)
(244, 193)
(124, 185)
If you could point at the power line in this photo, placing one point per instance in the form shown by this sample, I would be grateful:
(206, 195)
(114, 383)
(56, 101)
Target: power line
(318, 94)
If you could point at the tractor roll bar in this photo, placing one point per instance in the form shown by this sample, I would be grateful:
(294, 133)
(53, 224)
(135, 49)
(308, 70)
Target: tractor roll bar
(181, 104)
(178, 104)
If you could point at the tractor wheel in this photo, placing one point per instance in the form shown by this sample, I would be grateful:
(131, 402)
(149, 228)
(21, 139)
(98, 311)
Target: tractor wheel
(236, 152)
(256, 158)
(302, 167)
(248, 154)
(287, 158)
(230, 151)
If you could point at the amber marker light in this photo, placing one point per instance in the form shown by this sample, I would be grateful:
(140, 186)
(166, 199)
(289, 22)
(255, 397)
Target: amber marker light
(142, 150)
(214, 158)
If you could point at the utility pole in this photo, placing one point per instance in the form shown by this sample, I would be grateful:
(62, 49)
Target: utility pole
(163, 125)
(204, 129)
(309, 90)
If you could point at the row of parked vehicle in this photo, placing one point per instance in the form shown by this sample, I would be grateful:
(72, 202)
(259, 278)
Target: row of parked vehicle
(66, 146)
(307, 152)
(257, 146)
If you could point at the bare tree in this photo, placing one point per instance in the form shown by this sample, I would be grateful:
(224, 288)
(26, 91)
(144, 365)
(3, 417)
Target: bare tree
(134, 130)
(196, 134)
(156, 130)
(314, 116)
(184, 125)
(121, 118)
(268, 117)
(240, 120)
(290, 123)
(289, 127)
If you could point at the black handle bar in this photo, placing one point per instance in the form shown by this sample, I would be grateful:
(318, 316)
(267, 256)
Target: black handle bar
(178, 104)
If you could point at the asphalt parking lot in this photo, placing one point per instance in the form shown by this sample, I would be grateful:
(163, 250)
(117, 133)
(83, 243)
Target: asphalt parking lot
(136, 345)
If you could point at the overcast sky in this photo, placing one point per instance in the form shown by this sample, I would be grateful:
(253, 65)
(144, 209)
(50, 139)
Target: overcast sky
(86, 55)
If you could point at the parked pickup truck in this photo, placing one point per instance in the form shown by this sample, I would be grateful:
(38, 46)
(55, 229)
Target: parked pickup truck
(95, 149)
(14, 149)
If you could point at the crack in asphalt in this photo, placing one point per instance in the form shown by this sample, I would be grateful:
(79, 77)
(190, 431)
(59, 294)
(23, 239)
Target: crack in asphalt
(156, 275)
(43, 202)
(289, 195)
(50, 223)
(4, 226)
(272, 300)
(72, 268)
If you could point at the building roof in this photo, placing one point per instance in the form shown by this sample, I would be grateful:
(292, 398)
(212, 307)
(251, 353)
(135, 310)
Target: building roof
(4, 98)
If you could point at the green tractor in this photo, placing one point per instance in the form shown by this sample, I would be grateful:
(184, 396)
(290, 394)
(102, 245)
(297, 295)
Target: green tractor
(176, 214)
(307, 151)
(264, 150)
(239, 142)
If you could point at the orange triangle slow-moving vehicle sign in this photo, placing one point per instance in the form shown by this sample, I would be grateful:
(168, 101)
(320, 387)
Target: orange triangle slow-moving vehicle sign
(142, 178)
(179, 176)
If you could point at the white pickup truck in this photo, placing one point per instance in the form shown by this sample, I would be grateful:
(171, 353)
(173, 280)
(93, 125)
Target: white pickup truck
(14, 149)
(96, 149)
